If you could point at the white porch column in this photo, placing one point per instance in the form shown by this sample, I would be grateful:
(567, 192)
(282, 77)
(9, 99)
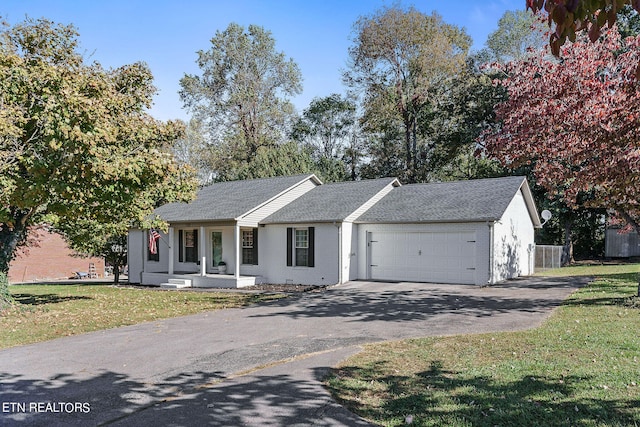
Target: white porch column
(238, 243)
(171, 243)
(202, 249)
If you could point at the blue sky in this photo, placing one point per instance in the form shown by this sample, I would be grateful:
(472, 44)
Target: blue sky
(167, 34)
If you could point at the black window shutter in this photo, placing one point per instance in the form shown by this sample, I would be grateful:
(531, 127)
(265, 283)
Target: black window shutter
(180, 246)
(255, 246)
(289, 246)
(311, 262)
(195, 244)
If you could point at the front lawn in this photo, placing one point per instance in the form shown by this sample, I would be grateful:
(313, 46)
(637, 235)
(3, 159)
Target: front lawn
(580, 368)
(45, 312)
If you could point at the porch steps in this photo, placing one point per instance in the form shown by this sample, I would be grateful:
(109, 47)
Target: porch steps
(176, 284)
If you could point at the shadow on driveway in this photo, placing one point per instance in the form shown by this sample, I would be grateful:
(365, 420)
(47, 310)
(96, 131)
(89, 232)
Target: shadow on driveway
(401, 302)
(199, 369)
(195, 398)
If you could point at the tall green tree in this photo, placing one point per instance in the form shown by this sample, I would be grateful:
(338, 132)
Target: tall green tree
(284, 159)
(194, 151)
(458, 117)
(329, 128)
(326, 125)
(448, 130)
(242, 95)
(401, 62)
(79, 143)
(518, 32)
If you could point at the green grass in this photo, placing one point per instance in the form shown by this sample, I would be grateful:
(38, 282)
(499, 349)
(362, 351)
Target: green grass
(44, 312)
(580, 368)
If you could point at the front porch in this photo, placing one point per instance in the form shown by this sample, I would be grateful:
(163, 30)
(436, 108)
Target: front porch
(202, 281)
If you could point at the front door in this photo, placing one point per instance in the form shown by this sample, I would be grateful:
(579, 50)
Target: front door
(216, 248)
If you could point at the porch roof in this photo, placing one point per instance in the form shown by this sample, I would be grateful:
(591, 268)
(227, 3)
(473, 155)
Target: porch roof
(229, 201)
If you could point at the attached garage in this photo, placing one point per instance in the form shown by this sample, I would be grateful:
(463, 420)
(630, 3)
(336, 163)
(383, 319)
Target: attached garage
(469, 232)
(444, 257)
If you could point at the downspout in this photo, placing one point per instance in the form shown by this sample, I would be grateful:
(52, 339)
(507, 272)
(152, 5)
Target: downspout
(490, 224)
(340, 264)
(339, 226)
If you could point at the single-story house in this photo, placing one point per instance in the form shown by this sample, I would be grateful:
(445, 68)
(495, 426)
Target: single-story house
(296, 229)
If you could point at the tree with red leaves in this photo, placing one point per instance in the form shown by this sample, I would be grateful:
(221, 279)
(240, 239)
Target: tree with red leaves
(575, 122)
(572, 16)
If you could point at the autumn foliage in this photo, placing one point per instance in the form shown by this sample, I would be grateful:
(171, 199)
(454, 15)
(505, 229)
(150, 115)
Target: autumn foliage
(575, 122)
(569, 17)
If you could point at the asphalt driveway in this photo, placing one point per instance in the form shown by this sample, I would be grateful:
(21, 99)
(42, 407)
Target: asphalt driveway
(260, 365)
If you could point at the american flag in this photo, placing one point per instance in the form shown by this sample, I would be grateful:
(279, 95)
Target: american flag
(153, 241)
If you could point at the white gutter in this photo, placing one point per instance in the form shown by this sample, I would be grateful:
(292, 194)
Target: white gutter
(491, 252)
(340, 274)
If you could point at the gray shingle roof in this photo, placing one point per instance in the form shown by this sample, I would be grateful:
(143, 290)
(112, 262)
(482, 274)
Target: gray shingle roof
(329, 202)
(459, 201)
(228, 200)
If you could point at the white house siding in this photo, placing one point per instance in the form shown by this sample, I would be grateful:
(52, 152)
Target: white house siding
(136, 253)
(513, 242)
(251, 219)
(273, 257)
(476, 273)
(350, 251)
(163, 250)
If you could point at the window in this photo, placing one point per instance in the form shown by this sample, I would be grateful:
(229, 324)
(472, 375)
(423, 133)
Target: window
(300, 247)
(188, 248)
(250, 246)
(247, 246)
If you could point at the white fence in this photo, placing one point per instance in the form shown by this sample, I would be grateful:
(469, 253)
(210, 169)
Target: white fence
(548, 256)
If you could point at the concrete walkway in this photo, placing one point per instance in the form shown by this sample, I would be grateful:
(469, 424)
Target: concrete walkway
(260, 365)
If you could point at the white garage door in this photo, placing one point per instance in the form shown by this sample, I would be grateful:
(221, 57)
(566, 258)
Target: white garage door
(423, 257)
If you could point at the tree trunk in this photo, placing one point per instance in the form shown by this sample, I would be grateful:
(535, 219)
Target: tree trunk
(567, 249)
(116, 274)
(10, 238)
(407, 144)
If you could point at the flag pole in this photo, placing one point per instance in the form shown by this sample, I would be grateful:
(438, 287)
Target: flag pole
(162, 238)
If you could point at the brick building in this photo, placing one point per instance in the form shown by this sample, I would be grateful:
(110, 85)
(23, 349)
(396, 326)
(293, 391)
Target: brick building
(49, 259)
